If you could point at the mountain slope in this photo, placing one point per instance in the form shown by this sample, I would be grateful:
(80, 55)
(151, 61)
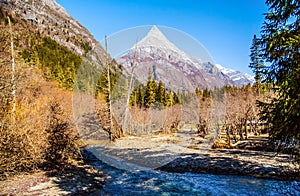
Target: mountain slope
(171, 65)
(47, 39)
(52, 20)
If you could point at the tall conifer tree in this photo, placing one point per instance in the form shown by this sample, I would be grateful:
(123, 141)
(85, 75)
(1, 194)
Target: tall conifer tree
(256, 62)
(280, 44)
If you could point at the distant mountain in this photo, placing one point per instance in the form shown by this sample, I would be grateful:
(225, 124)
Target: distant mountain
(238, 77)
(166, 62)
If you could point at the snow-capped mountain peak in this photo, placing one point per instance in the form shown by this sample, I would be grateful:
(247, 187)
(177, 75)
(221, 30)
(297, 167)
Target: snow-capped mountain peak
(238, 77)
(155, 38)
(250, 78)
(223, 69)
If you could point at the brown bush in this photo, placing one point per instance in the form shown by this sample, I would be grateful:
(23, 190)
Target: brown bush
(143, 121)
(42, 135)
(38, 125)
(61, 137)
(23, 140)
(104, 117)
(39, 132)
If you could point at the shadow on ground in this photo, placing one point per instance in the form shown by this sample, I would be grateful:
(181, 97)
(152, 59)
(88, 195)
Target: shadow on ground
(229, 162)
(77, 179)
(67, 179)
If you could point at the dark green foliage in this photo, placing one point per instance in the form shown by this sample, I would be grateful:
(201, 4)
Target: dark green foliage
(55, 60)
(160, 93)
(61, 62)
(172, 98)
(137, 97)
(256, 62)
(280, 44)
(102, 84)
(150, 93)
(176, 98)
(86, 46)
(206, 93)
(86, 78)
(153, 95)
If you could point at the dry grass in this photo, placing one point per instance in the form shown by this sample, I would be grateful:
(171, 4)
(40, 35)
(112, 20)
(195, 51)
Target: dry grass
(40, 131)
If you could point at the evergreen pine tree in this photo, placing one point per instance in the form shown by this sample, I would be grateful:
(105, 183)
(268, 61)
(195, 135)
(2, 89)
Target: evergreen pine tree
(176, 98)
(280, 45)
(198, 92)
(206, 93)
(170, 98)
(140, 96)
(256, 63)
(133, 100)
(150, 96)
(161, 93)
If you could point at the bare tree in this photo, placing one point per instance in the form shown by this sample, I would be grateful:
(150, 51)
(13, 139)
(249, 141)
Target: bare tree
(205, 113)
(129, 90)
(13, 82)
(241, 114)
(111, 126)
(104, 109)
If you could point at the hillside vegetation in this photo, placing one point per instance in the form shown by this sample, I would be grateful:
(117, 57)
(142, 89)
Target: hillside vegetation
(37, 77)
(36, 128)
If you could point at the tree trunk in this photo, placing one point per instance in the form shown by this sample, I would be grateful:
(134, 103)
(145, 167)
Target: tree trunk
(13, 82)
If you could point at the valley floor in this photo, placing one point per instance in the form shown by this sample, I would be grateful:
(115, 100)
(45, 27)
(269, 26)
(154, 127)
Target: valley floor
(179, 152)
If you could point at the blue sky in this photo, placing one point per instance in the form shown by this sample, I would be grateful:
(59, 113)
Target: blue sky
(224, 27)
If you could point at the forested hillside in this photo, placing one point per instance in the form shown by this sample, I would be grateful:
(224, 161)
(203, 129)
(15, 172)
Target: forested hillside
(38, 75)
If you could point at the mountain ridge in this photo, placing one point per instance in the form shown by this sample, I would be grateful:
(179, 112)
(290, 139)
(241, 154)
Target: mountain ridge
(238, 77)
(184, 72)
